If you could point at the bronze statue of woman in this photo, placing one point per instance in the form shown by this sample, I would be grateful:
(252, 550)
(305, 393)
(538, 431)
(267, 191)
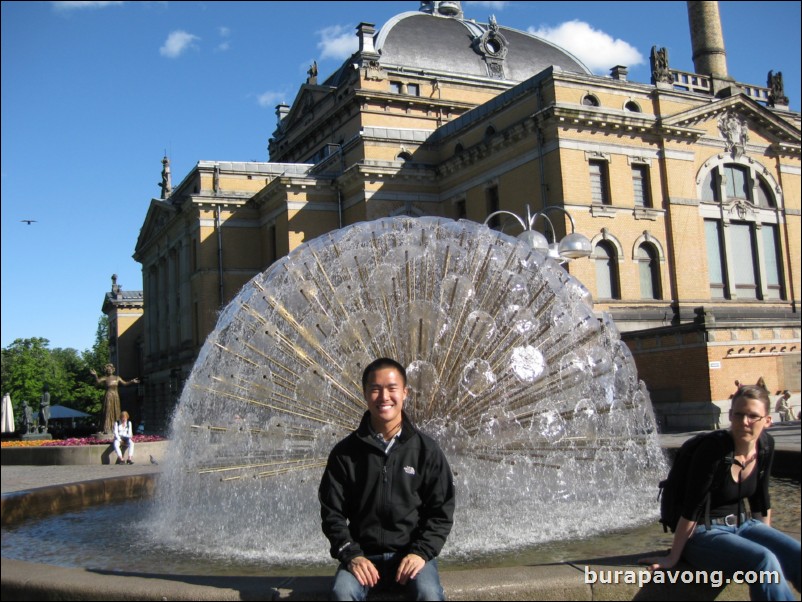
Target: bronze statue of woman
(111, 401)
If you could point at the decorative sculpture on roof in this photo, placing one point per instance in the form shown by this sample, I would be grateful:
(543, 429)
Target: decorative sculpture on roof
(493, 47)
(312, 79)
(735, 132)
(776, 89)
(661, 74)
(166, 184)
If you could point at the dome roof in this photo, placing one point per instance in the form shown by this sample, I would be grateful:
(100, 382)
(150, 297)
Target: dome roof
(428, 42)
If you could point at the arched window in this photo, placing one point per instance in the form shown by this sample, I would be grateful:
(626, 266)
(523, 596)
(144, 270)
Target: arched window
(765, 198)
(458, 149)
(490, 131)
(605, 258)
(632, 106)
(590, 101)
(404, 156)
(649, 271)
(736, 182)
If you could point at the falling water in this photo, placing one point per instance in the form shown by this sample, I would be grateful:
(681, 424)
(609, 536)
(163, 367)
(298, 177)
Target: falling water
(535, 401)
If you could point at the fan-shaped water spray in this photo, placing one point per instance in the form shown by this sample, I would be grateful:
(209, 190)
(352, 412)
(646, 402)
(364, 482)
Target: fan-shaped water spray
(535, 401)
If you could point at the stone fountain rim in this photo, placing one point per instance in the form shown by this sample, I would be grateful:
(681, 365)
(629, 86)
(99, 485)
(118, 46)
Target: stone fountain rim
(32, 581)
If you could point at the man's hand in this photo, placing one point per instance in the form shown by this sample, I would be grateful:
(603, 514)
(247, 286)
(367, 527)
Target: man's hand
(409, 568)
(364, 571)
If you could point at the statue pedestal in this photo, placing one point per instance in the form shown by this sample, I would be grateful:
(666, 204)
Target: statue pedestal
(36, 437)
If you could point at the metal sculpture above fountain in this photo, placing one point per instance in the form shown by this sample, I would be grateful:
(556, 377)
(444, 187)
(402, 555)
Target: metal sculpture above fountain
(535, 400)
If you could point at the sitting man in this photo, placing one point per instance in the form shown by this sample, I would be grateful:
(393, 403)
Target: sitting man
(387, 496)
(783, 407)
(123, 435)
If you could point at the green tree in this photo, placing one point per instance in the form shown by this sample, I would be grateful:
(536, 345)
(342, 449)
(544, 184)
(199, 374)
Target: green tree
(99, 355)
(27, 366)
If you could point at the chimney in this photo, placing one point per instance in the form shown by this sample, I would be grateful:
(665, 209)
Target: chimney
(619, 72)
(707, 41)
(282, 110)
(365, 33)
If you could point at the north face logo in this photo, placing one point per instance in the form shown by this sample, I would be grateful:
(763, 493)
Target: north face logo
(409, 470)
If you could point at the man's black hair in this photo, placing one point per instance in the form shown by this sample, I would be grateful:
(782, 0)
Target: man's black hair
(380, 364)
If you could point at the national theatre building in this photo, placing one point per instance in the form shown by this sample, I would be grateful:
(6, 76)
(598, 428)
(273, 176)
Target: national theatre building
(688, 187)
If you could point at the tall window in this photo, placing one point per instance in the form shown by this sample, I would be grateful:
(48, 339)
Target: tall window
(459, 209)
(599, 191)
(640, 186)
(605, 258)
(739, 274)
(413, 89)
(743, 268)
(491, 197)
(649, 271)
(771, 262)
(715, 259)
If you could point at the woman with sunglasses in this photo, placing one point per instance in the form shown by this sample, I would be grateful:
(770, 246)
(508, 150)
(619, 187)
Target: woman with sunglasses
(737, 539)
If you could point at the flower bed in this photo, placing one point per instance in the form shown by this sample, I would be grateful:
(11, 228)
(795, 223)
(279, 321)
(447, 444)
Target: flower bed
(78, 441)
(79, 451)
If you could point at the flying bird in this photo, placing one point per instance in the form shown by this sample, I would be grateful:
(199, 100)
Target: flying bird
(28, 221)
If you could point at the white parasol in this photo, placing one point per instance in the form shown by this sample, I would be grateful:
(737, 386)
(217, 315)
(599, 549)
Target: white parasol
(8, 415)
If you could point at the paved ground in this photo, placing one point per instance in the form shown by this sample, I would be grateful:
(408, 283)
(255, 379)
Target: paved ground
(567, 581)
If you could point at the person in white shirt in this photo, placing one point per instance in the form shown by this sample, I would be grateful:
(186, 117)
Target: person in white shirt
(123, 434)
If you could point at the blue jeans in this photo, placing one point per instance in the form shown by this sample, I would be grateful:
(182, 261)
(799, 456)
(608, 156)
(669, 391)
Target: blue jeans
(425, 586)
(751, 547)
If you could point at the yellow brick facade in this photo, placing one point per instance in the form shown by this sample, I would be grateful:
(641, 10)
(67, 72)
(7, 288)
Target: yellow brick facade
(358, 150)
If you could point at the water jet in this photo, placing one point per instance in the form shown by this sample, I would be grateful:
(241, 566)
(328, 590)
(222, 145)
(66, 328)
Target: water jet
(534, 398)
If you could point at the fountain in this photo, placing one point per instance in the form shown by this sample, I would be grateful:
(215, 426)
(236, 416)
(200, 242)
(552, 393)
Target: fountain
(534, 400)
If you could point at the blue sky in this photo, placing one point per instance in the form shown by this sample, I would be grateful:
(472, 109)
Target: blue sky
(94, 93)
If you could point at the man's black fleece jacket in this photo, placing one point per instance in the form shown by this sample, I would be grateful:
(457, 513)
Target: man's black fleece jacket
(374, 503)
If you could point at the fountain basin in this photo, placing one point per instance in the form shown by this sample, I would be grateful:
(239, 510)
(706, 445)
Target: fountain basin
(23, 580)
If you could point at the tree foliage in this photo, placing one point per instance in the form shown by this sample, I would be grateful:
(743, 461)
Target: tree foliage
(28, 365)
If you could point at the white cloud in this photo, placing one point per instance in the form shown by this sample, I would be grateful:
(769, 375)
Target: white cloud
(224, 32)
(177, 42)
(270, 99)
(596, 49)
(80, 5)
(337, 42)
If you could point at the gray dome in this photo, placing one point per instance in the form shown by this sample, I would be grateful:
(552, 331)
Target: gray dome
(422, 41)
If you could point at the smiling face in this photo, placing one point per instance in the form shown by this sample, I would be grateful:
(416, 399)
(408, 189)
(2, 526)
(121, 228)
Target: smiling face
(385, 391)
